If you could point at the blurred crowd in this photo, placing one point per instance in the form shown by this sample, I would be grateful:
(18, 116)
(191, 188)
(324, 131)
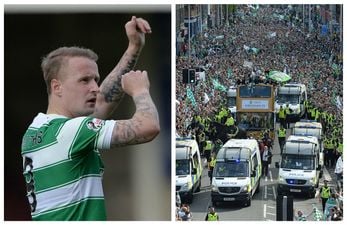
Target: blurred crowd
(258, 41)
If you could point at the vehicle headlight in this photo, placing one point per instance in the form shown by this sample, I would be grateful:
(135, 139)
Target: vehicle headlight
(186, 187)
(281, 179)
(214, 188)
(246, 188)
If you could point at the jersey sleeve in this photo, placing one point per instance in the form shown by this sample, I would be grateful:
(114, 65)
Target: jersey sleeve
(86, 134)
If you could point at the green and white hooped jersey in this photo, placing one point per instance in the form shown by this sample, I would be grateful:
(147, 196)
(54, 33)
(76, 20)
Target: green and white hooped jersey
(63, 169)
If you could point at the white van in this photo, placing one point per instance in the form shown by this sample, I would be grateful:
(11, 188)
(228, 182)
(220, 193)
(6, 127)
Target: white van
(311, 128)
(294, 95)
(188, 168)
(299, 167)
(237, 173)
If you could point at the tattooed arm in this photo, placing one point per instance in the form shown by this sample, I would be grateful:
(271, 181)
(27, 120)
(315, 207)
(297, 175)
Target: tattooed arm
(111, 92)
(144, 125)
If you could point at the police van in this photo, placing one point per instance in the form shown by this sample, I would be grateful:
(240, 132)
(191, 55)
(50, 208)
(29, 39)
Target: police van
(311, 128)
(188, 168)
(294, 95)
(237, 173)
(299, 168)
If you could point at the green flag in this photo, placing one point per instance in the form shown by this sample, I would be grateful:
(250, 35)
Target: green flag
(191, 97)
(218, 86)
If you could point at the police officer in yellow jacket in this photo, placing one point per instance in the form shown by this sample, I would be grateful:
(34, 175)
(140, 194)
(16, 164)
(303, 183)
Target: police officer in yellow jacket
(282, 116)
(208, 145)
(325, 193)
(281, 137)
(211, 163)
(211, 215)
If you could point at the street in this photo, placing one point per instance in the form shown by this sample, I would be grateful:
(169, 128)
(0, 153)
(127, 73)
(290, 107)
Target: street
(263, 207)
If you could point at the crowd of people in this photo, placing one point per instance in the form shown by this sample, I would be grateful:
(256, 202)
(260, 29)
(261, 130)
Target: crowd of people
(256, 43)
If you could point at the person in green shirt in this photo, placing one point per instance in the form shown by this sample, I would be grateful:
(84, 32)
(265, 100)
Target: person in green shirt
(60, 149)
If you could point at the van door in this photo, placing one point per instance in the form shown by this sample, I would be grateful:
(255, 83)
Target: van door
(196, 170)
(255, 167)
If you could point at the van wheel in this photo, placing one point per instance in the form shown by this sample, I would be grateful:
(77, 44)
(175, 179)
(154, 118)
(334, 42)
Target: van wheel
(312, 194)
(199, 186)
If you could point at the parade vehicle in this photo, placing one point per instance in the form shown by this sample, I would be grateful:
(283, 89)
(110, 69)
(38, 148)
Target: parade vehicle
(294, 95)
(299, 169)
(311, 128)
(237, 173)
(231, 98)
(188, 168)
(255, 110)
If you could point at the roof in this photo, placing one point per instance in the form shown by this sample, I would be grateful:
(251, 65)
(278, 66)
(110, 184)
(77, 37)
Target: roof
(238, 149)
(308, 124)
(293, 90)
(305, 145)
(308, 129)
(294, 85)
(183, 145)
(295, 138)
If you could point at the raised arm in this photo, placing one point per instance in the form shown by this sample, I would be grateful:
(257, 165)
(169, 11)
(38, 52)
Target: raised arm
(144, 125)
(111, 92)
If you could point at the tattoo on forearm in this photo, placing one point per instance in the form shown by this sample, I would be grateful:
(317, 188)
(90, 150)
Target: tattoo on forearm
(111, 87)
(127, 131)
(146, 107)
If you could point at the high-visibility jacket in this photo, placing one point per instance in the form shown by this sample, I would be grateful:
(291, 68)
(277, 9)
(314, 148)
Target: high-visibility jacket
(325, 193)
(282, 132)
(212, 217)
(340, 147)
(198, 119)
(324, 115)
(208, 146)
(282, 114)
(287, 110)
(230, 121)
(213, 161)
(330, 145)
(317, 115)
(218, 118)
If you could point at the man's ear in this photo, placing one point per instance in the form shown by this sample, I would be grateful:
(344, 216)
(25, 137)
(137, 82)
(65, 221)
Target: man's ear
(56, 87)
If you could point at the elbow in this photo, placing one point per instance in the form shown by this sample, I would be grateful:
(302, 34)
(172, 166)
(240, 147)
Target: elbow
(152, 131)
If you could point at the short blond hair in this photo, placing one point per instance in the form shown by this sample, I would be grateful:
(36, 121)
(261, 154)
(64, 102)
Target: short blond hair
(52, 63)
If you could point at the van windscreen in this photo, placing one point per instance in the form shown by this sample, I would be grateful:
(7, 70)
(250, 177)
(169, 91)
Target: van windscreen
(299, 162)
(182, 167)
(287, 98)
(231, 169)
